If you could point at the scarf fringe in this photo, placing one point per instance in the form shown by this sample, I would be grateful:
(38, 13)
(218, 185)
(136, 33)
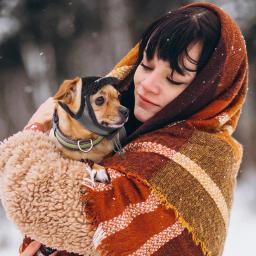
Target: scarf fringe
(98, 236)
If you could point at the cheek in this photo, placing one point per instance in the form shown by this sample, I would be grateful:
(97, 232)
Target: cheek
(98, 113)
(98, 110)
(137, 76)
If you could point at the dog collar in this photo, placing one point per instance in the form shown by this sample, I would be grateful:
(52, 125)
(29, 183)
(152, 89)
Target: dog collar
(82, 145)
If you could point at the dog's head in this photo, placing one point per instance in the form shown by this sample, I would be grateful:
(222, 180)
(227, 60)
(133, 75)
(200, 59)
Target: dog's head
(105, 103)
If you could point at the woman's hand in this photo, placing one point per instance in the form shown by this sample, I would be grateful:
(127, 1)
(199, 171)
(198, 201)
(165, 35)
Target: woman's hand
(44, 114)
(32, 248)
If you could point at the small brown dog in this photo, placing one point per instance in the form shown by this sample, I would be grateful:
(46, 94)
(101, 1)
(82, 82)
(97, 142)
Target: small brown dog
(89, 115)
(87, 120)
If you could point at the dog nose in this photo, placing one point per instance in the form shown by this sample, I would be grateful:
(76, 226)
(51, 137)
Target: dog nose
(124, 111)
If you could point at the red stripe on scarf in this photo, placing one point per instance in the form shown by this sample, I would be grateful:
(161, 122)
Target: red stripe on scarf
(142, 228)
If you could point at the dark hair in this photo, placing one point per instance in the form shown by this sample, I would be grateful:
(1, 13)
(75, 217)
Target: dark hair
(171, 35)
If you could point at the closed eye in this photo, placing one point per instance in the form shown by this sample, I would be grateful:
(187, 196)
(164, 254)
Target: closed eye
(145, 67)
(169, 79)
(174, 82)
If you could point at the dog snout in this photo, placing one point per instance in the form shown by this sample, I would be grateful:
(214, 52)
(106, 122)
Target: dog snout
(124, 111)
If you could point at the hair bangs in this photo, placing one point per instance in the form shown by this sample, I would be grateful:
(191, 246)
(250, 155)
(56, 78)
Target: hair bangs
(170, 44)
(171, 36)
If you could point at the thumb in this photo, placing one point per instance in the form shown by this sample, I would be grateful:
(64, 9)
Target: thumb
(32, 248)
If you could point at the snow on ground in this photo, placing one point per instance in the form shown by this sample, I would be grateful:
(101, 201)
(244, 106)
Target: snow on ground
(240, 240)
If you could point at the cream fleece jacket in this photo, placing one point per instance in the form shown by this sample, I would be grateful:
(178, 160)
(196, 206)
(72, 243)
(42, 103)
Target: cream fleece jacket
(39, 189)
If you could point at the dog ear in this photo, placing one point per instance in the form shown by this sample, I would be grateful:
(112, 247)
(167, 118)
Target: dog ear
(67, 90)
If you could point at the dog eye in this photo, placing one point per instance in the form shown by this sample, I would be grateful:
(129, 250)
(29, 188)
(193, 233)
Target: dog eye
(99, 101)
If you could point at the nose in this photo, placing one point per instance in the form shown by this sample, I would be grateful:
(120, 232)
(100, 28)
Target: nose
(124, 111)
(150, 83)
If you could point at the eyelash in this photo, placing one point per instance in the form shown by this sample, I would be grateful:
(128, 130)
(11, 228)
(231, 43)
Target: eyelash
(173, 82)
(145, 67)
(168, 79)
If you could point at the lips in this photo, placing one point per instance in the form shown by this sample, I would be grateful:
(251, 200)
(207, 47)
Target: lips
(143, 99)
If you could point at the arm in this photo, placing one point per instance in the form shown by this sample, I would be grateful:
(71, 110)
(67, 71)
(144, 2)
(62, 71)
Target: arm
(130, 218)
(43, 116)
(40, 197)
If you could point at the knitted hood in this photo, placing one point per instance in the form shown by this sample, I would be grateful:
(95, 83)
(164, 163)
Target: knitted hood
(214, 99)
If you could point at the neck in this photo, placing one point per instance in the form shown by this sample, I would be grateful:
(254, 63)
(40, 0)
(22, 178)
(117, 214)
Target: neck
(73, 130)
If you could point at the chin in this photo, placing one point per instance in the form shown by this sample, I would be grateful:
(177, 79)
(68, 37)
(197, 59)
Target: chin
(141, 115)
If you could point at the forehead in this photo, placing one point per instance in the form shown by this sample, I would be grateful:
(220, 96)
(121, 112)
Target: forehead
(193, 51)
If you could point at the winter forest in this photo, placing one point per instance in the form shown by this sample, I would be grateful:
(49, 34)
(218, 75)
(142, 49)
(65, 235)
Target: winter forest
(43, 42)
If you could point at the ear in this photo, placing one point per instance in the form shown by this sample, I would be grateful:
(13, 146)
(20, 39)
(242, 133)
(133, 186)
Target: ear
(67, 90)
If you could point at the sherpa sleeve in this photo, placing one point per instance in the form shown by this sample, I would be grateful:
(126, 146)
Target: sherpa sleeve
(40, 192)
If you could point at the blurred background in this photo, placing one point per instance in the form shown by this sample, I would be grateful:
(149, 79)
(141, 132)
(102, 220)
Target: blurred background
(43, 42)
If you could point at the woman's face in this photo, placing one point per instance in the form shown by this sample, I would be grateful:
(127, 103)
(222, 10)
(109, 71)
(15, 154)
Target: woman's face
(154, 87)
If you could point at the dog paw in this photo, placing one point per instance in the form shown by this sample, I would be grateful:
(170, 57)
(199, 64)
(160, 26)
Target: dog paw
(97, 174)
(102, 176)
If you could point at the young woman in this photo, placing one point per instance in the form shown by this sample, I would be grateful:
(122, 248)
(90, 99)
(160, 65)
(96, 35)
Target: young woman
(171, 193)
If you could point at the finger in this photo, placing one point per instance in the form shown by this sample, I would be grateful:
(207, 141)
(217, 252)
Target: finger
(31, 249)
(53, 254)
